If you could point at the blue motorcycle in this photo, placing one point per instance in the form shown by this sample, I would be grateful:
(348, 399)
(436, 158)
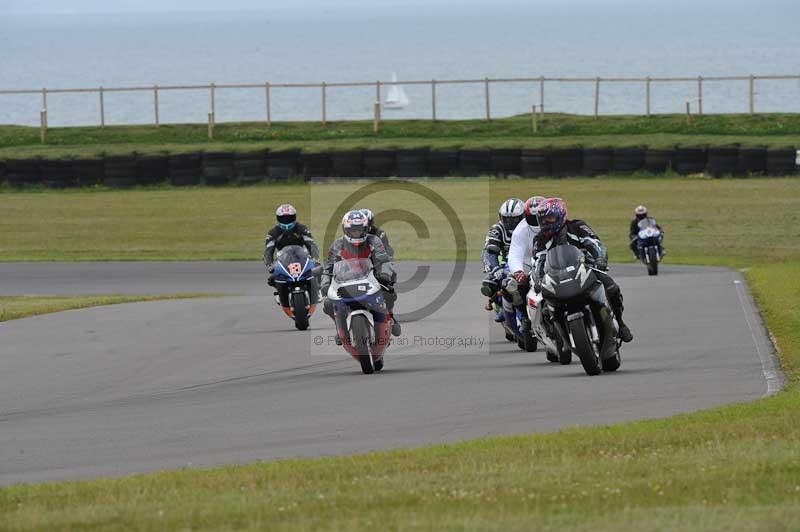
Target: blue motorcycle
(297, 284)
(650, 244)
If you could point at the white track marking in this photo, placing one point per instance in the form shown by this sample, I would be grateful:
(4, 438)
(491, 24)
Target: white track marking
(771, 374)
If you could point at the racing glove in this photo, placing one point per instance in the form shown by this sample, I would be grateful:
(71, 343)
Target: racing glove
(520, 276)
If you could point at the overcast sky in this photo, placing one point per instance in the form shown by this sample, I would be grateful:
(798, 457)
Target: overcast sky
(118, 6)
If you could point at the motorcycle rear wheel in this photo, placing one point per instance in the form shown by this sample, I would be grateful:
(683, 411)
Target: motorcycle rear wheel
(359, 335)
(300, 311)
(585, 348)
(564, 353)
(613, 363)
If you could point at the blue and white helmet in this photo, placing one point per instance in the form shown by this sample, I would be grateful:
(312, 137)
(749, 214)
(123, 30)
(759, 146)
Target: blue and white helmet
(287, 216)
(369, 214)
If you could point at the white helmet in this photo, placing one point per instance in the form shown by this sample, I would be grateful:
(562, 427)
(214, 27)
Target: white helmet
(511, 213)
(354, 227)
(640, 211)
(287, 216)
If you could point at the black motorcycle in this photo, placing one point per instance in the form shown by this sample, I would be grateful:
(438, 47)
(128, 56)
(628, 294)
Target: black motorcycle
(577, 306)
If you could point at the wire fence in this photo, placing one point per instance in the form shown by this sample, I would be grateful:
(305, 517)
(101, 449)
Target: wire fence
(537, 90)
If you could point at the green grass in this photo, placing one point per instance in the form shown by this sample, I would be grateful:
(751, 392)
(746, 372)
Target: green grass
(16, 307)
(699, 216)
(774, 130)
(730, 468)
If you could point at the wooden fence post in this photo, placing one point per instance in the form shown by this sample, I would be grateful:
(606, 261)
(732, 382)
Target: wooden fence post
(210, 126)
(44, 104)
(647, 91)
(42, 125)
(752, 94)
(213, 103)
(267, 104)
(433, 99)
(541, 96)
(376, 121)
(102, 109)
(534, 125)
(378, 91)
(688, 115)
(155, 104)
(486, 95)
(596, 97)
(700, 95)
(324, 106)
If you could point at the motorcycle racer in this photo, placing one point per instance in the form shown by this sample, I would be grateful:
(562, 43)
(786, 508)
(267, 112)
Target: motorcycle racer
(287, 232)
(640, 213)
(357, 243)
(520, 255)
(555, 228)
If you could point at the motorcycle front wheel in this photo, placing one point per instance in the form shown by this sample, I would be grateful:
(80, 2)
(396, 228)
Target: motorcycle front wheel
(300, 310)
(652, 261)
(585, 348)
(359, 335)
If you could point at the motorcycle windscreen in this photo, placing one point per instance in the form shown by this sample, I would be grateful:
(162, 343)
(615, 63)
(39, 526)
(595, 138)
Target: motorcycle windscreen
(644, 223)
(292, 254)
(347, 270)
(568, 277)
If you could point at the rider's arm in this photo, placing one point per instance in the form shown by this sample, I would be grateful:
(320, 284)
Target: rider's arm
(327, 271)
(492, 248)
(310, 243)
(521, 247)
(385, 241)
(634, 228)
(269, 249)
(591, 242)
(381, 259)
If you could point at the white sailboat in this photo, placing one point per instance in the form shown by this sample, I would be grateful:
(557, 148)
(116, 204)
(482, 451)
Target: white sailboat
(396, 97)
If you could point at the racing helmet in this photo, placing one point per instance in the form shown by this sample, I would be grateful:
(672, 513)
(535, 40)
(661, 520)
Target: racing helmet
(511, 212)
(287, 216)
(354, 227)
(370, 216)
(640, 212)
(530, 210)
(552, 215)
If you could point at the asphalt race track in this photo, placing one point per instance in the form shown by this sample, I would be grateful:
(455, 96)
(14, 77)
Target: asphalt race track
(139, 387)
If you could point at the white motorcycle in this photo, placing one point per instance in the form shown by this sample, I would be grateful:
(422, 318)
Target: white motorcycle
(362, 318)
(544, 330)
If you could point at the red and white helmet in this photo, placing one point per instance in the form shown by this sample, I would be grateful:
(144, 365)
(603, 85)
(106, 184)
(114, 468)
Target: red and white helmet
(640, 211)
(354, 227)
(530, 210)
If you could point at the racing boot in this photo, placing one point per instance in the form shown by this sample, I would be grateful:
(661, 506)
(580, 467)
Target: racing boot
(615, 300)
(396, 329)
(489, 305)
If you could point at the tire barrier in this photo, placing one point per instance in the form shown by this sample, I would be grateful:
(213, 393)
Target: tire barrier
(218, 168)
(506, 161)
(535, 162)
(347, 163)
(57, 173)
(566, 161)
(282, 165)
(120, 171)
(221, 168)
(316, 165)
(442, 163)
(412, 163)
(473, 163)
(153, 169)
(88, 172)
(597, 161)
(380, 163)
(628, 160)
(690, 160)
(22, 172)
(751, 161)
(722, 161)
(781, 162)
(659, 161)
(185, 169)
(250, 167)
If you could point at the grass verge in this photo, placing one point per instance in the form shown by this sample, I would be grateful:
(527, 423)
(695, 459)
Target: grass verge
(736, 467)
(773, 130)
(16, 307)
